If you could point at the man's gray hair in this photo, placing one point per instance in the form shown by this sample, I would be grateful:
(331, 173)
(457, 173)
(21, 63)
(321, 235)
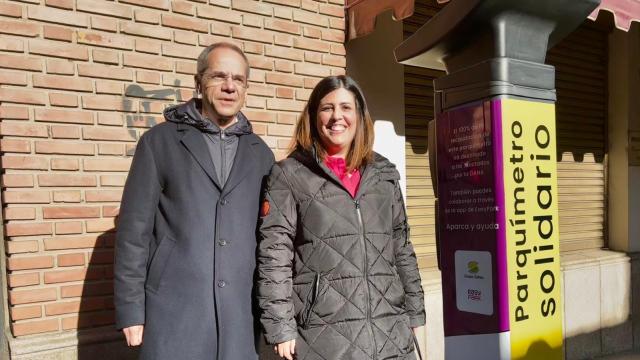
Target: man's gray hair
(203, 58)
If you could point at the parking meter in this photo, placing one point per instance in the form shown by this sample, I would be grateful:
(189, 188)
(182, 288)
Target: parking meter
(493, 155)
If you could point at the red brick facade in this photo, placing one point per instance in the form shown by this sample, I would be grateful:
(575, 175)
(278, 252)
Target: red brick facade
(80, 81)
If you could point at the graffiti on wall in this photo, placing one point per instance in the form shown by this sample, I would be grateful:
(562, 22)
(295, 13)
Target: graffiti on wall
(150, 105)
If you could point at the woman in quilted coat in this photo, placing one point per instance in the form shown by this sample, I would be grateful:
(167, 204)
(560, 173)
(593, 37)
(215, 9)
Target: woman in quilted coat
(337, 274)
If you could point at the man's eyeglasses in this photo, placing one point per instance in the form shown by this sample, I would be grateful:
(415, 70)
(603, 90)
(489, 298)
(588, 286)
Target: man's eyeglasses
(219, 78)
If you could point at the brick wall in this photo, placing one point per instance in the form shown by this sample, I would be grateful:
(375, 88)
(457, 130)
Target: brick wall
(80, 81)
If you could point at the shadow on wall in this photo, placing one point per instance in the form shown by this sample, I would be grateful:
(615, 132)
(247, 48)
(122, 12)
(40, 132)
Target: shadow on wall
(620, 335)
(96, 307)
(602, 343)
(371, 63)
(579, 347)
(541, 350)
(97, 337)
(5, 318)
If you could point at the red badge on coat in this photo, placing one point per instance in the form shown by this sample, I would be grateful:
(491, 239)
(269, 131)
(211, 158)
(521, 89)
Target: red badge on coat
(264, 209)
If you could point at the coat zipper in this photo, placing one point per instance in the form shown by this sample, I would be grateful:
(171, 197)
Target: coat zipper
(223, 160)
(314, 290)
(366, 277)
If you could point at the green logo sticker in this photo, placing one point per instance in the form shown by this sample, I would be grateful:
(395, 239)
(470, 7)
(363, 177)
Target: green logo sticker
(472, 267)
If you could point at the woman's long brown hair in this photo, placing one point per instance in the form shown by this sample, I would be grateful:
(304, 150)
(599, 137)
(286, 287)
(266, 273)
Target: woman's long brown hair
(306, 136)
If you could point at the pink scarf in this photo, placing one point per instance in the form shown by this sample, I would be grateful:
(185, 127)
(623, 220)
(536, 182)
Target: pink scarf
(339, 167)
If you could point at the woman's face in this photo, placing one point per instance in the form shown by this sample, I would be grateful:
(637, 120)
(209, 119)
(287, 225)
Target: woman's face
(337, 121)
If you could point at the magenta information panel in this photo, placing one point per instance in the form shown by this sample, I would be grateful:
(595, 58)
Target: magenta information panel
(468, 208)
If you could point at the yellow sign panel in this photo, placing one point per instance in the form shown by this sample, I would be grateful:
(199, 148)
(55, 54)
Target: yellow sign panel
(532, 229)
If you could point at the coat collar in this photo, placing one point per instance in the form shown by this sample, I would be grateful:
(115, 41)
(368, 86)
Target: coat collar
(378, 169)
(189, 113)
(243, 162)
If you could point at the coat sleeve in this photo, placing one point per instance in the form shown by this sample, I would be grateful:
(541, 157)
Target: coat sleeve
(275, 259)
(406, 262)
(134, 235)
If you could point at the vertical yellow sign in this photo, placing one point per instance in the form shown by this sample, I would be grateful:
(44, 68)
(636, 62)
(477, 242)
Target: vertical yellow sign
(532, 229)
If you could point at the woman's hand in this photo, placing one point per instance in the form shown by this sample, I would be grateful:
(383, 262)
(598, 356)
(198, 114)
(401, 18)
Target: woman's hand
(286, 349)
(133, 334)
(415, 333)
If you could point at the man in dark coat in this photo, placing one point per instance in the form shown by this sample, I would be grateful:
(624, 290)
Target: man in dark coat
(186, 240)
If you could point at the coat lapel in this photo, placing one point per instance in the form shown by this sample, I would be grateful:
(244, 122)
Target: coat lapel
(243, 163)
(194, 142)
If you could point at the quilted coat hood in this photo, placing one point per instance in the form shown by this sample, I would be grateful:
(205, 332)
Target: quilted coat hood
(189, 114)
(380, 166)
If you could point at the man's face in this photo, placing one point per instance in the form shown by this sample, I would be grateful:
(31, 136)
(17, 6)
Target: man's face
(224, 83)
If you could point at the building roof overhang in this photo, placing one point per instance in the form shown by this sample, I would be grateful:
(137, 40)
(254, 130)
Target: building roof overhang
(362, 14)
(624, 12)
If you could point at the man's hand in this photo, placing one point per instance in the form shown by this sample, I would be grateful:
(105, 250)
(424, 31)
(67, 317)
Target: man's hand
(133, 334)
(286, 349)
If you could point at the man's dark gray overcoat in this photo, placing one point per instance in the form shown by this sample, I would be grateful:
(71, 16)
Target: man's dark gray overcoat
(185, 250)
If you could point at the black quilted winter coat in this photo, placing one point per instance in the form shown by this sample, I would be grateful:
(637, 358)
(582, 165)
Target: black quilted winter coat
(337, 273)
